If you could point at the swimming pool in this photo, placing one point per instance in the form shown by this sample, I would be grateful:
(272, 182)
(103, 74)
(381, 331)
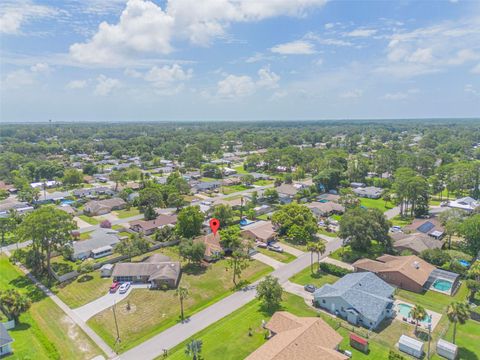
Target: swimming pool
(442, 285)
(464, 263)
(404, 310)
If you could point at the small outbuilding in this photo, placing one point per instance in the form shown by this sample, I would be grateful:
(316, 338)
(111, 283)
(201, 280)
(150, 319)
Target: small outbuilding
(447, 349)
(411, 346)
(106, 270)
(5, 341)
(359, 343)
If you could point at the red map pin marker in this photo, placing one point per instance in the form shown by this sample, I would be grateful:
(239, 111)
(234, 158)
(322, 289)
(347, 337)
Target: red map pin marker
(214, 225)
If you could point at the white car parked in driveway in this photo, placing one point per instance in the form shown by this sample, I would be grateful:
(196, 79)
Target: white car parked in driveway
(124, 288)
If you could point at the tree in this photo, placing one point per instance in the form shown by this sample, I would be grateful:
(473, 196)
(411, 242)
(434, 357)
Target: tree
(230, 238)
(247, 179)
(474, 270)
(359, 227)
(85, 266)
(224, 214)
(164, 234)
(318, 247)
(212, 171)
(458, 312)
(295, 222)
(269, 292)
(106, 224)
(192, 251)
(14, 303)
(133, 246)
(194, 349)
(6, 225)
(182, 293)
(470, 229)
(176, 180)
(271, 195)
(238, 261)
(348, 199)
(189, 222)
(149, 213)
(175, 200)
(151, 195)
(451, 220)
(49, 229)
(89, 169)
(474, 286)
(311, 246)
(418, 313)
(192, 157)
(72, 177)
(119, 177)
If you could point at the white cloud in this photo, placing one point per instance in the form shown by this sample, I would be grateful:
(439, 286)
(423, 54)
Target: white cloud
(352, 94)
(18, 79)
(106, 85)
(469, 88)
(362, 32)
(77, 84)
(145, 27)
(238, 86)
(329, 26)
(13, 15)
(400, 95)
(258, 57)
(40, 68)
(168, 79)
(476, 69)
(299, 47)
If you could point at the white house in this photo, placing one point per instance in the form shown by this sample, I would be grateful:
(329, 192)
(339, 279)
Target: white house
(467, 203)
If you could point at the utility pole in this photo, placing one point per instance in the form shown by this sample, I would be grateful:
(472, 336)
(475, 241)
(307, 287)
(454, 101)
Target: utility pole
(429, 338)
(241, 208)
(117, 340)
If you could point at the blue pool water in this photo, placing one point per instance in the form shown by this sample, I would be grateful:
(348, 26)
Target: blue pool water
(442, 285)
(67, 202)
(464, 263)
(404, 310)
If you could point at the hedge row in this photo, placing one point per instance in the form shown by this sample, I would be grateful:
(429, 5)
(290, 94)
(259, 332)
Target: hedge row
(334, 269)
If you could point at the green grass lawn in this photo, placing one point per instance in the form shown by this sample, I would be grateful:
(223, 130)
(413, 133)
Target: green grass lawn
(233, 189)
(83, 289)
(89, 220)
(208, 179)
(336, 217)
(323, 231)
(265, 217)
(376, 203)
(317, 279)
(263, 182)
(123, 214)
(240, 170)
(296, 246)
(399, 221)
(467, 338)
(433, 300)
(44, 331)
(282, 257)
(233, 331)
(154, 311)
(85, 235)
(346, 254)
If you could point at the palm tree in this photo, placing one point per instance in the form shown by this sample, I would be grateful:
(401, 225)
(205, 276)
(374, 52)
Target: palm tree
(418, 313)
(474, 270)
(311, 246)
(320, 248)
(194, 348)
(474, 286)
(14, 303)
(458, 312)
(182, 294)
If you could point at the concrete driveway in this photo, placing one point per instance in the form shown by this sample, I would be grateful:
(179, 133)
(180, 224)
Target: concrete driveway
(298, 290)
(85, 312)
(267, 260)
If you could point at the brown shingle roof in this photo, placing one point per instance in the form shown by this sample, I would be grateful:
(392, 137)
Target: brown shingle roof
(416, 269)
(212, 243)
(160, 221)
(262, 230)
(299, 339)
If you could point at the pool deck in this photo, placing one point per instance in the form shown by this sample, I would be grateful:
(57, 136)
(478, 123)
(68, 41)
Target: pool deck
(435, 316)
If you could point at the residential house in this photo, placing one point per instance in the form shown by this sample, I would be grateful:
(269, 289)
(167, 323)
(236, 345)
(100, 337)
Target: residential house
(148, 227)
(213, 249)
(328, 197)
(47, 184)
(93, 192)
(467, 203)
(262, 209)
(407, 272)
(416, 243)
(234, 180)
(5, 341)
(101, 207)
(11, 203)
(50, 197)
(100, 244)
(371, 192)
(357, 185)
(67, 208)
(360, 298)
(227, 171)
(286, 192)
(431, 227)
(158, 270)
(299, 338)
(205, 186)
(260, 231)
(325, 208)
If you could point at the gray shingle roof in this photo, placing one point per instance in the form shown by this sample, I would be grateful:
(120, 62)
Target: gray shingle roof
(98, 238)
(5, 337)
(365, 292)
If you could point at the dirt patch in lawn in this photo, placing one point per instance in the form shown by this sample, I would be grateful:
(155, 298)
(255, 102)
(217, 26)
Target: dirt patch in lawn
(73, 334)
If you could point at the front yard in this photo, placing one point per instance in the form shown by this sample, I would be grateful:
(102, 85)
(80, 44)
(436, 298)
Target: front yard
(88, 219)
(44, 331)
(123, 214)
(154, 311)
(233, 189)
(345, 253)
(282, 257)
(317, 279)
(377, 204)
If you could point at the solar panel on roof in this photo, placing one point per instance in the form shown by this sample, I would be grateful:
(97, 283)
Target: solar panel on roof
(426, 227)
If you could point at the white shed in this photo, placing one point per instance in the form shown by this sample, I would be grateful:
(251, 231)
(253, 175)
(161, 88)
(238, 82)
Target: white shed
(106, 270)
(410, 346)
(447, 349)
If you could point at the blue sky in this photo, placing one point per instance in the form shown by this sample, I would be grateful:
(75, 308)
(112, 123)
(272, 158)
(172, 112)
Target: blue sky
(136, 60)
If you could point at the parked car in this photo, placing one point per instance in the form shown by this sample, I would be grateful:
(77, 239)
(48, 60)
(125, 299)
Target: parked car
(275, 247)
(114, 287)
(261, 244)
(310, 288)
(124, 288)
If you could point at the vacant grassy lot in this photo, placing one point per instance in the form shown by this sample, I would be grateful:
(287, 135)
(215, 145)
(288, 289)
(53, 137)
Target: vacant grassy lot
(283, 257)
(399, 221)
(377, 204)
(240, 170)
(88, 219)
(433, 300)
(84, 289)
(153, 311)
(318, 279)
(346, 254)
(263, 182)
(233, 189)
(123, 214)
(44, 332)
(233, 330)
